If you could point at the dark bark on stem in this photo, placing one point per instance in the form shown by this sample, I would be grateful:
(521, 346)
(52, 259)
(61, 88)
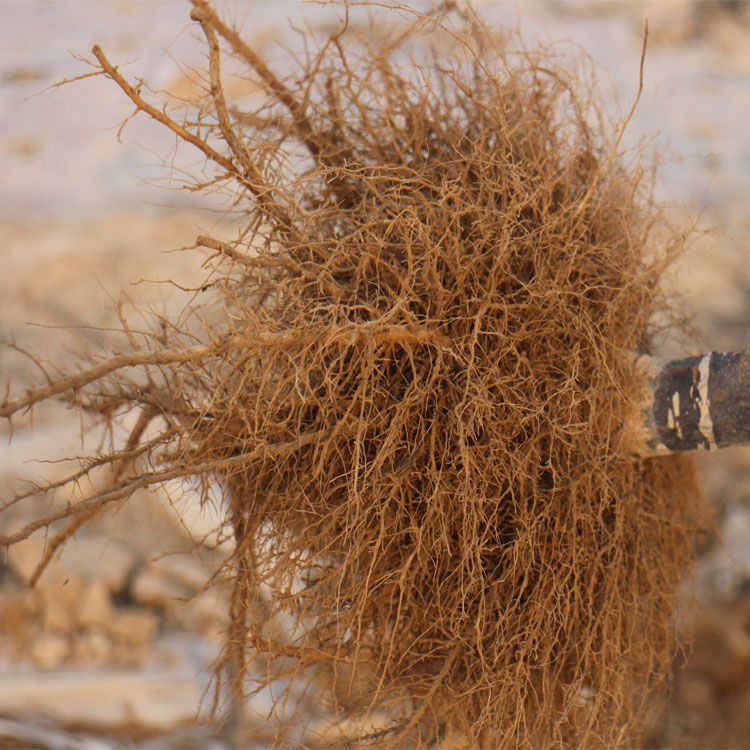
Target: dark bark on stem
(697, 402)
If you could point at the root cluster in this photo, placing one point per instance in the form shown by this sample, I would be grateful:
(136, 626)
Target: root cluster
(412, 383)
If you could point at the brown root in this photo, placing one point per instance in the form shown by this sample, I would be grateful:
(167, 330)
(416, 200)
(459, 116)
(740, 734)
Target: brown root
(414, 389)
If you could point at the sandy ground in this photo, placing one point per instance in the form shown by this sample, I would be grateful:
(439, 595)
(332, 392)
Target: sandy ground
(105, 652)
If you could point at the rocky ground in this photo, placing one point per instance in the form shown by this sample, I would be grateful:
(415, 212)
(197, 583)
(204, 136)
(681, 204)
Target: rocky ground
(113, 646)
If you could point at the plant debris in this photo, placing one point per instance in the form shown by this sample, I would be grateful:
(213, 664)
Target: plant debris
(411, 381)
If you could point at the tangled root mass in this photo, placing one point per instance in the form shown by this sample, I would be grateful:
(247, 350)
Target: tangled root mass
(413, 390)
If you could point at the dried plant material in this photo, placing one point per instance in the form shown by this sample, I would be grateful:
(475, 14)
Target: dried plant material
(412, 383)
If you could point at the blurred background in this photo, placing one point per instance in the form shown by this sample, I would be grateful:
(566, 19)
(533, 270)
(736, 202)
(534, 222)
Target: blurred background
(112, 648)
